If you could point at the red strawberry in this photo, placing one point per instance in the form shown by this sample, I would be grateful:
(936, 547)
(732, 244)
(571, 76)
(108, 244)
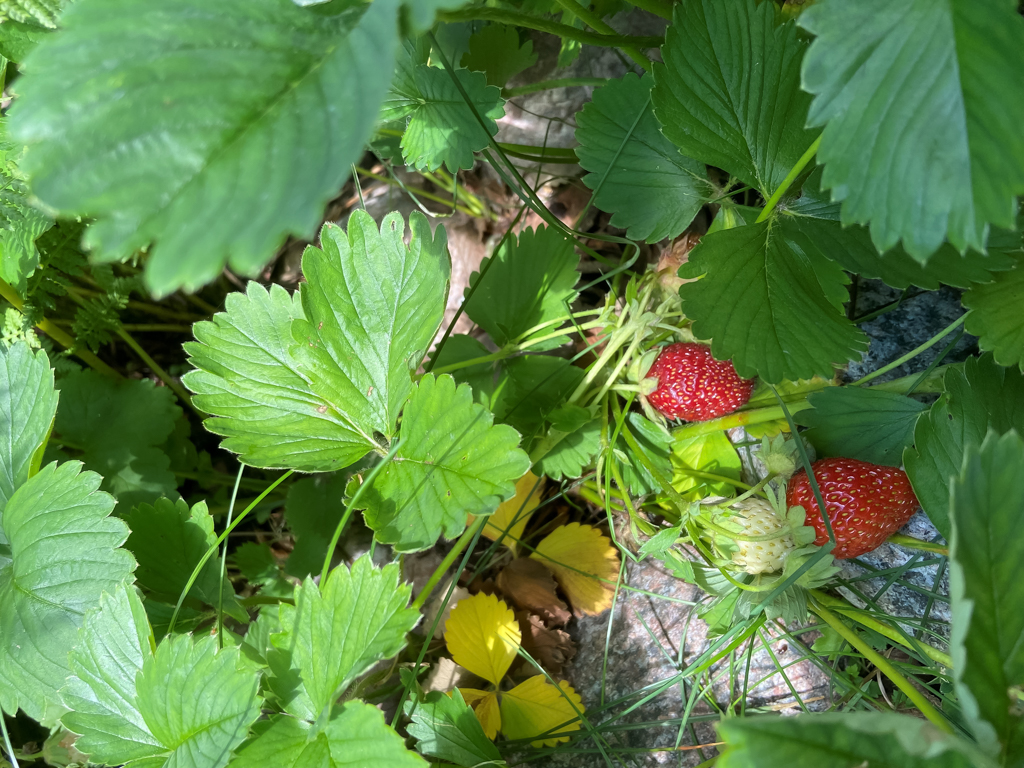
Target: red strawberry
(866, 503)
(692, 385)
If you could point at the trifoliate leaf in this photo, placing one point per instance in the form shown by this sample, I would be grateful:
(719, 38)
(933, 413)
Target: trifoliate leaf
(585, 564)
(483, 636)
(861, 423)
(445, 728)
(933, 81)
(572, 453)
(530, 283)
(978, 397)
(764, 285)
(485, 707)
(996, 318)
(187, 703)
(452, 462)
(495, 51)
(118, 425)
(47, 583)
(329, 638)
(536, 706)
(442, 129)
(20, 222)
(313, 509)
(372, 304)
(639, 176)
(296, 95)
(712, 453)
(510, 518)
(728, 93)
(28, 403)
(356, 735)
(43, 12)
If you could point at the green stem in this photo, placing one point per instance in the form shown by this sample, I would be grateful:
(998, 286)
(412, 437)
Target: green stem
(738, 419)
(597, 24)
(924, 546)
(883, 664)
(795, 171)
(501, 354)
(467, 536)
(912, 353)
(548, 85)
(422, 193)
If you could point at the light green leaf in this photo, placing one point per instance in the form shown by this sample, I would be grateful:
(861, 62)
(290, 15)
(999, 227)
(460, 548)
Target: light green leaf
(860, 423)
(356, 736)
(771, 301)
(996, 316)
(452, 462)
(28, 403)
(655, 442)
(64, 553)
(119, 424)
(372, 305)
(126, 124)
(640, 177)
(313, 509)
(329, 639)
(728, 93)
(261, 403)
(978, 397)
(442, 129)
(987, 645)
(44, 12)
(878, 739)
(496, 52)
(460, 348)
(927, 93)
(529, 283)
(572, 453)
(447, 728)
(705, 453)
(17, 39)
(20, 222)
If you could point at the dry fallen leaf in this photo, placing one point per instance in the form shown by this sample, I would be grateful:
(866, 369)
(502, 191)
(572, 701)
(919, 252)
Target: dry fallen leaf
(446, 674)
(552, 648)
(530, 585)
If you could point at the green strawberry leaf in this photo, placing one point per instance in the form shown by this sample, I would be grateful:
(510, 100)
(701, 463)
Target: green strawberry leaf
(639, 176)
(987, 644)
(313, 509)
(119, 425)
(260, 567)
(452, 462)
(460, 348)
(728, 93)
(878, 739)
(977, 397)
(163, 155)
(996, 317)
(705, 453)
(355, 735)
(771, 301)
(936, 85)
(330, 638)
(419, 14)
(46, 582)
(18, 38)
(372, 305)
(442, 129)
(20, 223)
(531, 386)
(28, 403)
(529, 282)
(187, 703)
(43, 12)
(572, 453)
(860, 423)
(495, 51)
(656, 444)
(445, 727)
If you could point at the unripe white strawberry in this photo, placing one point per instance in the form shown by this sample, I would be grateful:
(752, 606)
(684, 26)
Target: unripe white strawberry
(756, 517)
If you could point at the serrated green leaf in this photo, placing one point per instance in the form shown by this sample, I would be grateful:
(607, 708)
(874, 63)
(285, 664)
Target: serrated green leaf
(356, 736)
(20, 222)
(441, 129)
(861, 423)
(655, 443)
(447, 728)
(329, 639)
(118, 425)
(980, 396)
(18, 38)
(878, 739)
(531, 387)
(572, 453)
(529, 283)
(641, 178)
(43, 12)
(996, 317)
(313, 509)
(495, 51)
(728, 93)
(928, 91)
(987, 644)
(28, 403)
(262, 404)
(705, 453)
(452, 462)
(202, 169)
(372, 304)
(46, 582)
(770, 301)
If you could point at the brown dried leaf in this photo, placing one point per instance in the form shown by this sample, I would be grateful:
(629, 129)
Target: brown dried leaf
(553, 648)
(530, 585)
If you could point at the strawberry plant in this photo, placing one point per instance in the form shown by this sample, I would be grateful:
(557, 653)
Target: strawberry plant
(290, 478)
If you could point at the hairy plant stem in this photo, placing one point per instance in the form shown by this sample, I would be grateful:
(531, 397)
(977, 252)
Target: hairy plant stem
(787, 182)
(597, 24)
(924, 546)
(548, 85)
(467, 536)
(914, 352)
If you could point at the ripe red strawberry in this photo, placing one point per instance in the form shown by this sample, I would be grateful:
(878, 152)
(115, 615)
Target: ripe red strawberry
(866, 503)
(692, 385)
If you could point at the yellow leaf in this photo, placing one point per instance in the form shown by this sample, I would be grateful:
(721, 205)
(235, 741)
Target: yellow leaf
(483, 636)
(514, 514)
(583, 561)
(485, 704)
(535, 707)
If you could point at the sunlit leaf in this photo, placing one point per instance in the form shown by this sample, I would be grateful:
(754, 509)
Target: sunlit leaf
(510, 518)
(485, 707)
(28, 403)
(483, 636)
(585, 564)
(711, 453)
(536, 707)
(446, 728)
